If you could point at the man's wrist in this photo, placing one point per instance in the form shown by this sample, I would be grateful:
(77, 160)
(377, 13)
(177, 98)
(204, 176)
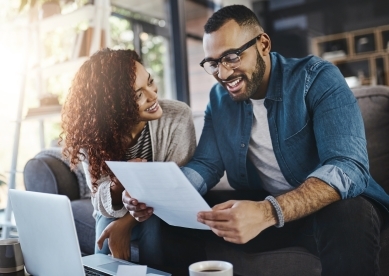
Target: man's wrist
(277, 211)
(269, 213)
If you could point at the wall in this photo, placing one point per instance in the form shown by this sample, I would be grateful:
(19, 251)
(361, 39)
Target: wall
(291, 23)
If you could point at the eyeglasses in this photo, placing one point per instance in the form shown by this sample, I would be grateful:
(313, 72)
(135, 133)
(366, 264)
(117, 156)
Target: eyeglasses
(230, 60)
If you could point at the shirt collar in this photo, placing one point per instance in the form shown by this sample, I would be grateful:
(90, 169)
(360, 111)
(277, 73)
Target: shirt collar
(274, 90)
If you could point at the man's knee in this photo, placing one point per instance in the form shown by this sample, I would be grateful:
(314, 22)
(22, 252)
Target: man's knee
(148, 228)
(347, 234)
(354, 214)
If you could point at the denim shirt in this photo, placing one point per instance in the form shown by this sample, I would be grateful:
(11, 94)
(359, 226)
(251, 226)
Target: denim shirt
(315, 125)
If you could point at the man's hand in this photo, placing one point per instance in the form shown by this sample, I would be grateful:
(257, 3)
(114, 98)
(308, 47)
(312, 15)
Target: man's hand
(118, 234)
(137, 209)
(239, 221)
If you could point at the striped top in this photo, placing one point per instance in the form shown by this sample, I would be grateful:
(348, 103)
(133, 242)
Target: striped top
(173, 139)
(142, 148)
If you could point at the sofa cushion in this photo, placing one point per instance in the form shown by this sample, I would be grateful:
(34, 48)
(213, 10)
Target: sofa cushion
(85, 224)
(78, 170)
(384, 253)
(47, 174)
(374, 104)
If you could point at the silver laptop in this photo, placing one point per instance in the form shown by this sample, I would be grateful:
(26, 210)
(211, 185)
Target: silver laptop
(48, 238)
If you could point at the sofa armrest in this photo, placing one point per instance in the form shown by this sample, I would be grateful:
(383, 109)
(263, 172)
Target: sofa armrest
(374, 104)
(47, 174)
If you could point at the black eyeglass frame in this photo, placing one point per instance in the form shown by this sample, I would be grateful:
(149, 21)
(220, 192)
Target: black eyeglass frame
(238, 52)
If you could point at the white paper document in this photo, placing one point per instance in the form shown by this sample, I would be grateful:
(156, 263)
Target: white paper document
(163, 186)
(133, 270)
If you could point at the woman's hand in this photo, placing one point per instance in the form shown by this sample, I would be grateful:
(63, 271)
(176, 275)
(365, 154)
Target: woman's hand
(137, 160)
(117, 188)
(137, 209)
(118, 234)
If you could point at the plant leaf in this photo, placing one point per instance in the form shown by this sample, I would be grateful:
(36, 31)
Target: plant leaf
(22, 4)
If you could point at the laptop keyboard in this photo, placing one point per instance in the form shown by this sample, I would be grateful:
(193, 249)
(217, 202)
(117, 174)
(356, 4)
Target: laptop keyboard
(93, 272)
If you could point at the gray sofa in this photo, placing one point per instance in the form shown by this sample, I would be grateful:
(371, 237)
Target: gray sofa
(45, 173)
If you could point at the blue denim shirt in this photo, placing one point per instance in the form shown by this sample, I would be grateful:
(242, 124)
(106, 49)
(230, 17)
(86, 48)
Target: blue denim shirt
(315, 125)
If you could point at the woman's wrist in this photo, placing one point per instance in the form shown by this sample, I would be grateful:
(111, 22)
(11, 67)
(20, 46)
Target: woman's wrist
(116, 194)
(130, 220)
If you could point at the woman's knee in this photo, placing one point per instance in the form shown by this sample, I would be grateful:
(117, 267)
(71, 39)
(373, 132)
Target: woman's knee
(101, 223)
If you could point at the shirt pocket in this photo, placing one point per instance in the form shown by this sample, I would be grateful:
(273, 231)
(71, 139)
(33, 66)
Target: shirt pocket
(301, 149)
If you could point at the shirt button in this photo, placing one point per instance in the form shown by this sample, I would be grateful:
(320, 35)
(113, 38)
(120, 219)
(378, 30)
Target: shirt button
(242, 145)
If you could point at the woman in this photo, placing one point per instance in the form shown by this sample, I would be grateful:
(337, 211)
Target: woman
(112, 112)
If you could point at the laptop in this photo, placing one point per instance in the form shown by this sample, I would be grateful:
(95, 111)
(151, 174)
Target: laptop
(48, 238)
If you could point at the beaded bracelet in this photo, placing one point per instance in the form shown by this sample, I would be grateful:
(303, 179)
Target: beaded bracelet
(277, 207)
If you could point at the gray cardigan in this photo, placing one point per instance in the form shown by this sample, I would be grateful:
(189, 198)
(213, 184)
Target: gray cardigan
(173, 139)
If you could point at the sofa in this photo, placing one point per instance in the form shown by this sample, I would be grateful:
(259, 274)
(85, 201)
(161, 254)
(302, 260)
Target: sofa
(49, 174)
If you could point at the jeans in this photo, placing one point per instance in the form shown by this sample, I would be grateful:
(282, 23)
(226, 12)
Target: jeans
(101, 223)
(146, 234)
(345, 235)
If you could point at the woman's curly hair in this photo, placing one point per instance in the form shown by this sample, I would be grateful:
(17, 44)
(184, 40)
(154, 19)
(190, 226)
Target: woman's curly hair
(100, 110)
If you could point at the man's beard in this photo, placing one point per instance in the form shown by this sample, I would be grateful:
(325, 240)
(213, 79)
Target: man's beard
(255, 82)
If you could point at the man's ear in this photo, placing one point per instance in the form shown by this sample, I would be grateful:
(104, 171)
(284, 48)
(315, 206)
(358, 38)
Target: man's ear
(264, 44)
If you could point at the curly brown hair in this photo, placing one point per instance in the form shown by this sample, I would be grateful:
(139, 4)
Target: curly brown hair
(100, 110)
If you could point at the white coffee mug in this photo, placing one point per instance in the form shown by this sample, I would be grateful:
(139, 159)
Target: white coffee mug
(211, 268)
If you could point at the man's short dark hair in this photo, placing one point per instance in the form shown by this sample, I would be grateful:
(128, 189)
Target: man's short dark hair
(241, 14)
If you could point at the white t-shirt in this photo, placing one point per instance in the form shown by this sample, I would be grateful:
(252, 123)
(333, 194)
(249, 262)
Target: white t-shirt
(262, 155)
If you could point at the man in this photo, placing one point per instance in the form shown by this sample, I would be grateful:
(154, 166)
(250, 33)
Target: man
(293, 128)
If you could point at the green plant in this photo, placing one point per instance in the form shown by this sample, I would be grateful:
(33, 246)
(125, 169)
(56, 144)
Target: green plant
(2, 180)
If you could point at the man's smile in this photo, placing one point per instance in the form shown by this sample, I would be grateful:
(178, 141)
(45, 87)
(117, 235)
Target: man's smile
(234, 85)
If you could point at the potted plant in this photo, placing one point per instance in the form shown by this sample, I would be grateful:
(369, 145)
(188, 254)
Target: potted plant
(2, 181)
(2, 190)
